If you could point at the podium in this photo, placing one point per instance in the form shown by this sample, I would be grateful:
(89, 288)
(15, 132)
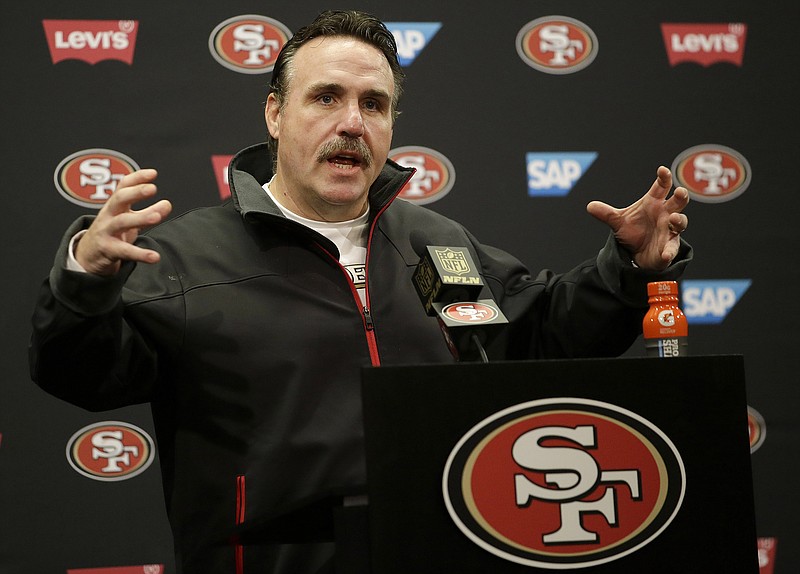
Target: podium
(605, 466)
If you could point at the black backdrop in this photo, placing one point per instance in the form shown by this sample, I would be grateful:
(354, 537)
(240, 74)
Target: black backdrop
(471, 97)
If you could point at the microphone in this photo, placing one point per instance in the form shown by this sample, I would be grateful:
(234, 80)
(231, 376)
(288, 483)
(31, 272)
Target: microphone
(448, 284)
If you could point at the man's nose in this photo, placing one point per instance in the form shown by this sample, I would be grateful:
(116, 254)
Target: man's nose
(352, 124)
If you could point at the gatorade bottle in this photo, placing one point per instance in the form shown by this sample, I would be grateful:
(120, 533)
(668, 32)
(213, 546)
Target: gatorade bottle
(665, 328)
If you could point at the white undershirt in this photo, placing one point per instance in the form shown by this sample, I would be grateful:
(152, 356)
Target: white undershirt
(350, 237)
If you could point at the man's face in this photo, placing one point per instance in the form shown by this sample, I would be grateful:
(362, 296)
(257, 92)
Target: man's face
(335, 128)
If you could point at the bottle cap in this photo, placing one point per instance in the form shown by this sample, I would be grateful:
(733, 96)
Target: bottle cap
(662, 288)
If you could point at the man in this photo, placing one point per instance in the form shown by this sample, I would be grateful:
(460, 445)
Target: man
(243, 328)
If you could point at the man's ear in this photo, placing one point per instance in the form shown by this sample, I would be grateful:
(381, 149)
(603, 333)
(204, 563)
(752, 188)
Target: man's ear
(272, 116)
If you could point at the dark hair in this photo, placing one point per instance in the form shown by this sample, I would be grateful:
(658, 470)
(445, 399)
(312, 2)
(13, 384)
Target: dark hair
(353, 23)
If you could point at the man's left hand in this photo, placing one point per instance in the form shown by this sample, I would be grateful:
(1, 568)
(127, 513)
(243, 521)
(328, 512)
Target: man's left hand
(650, 228)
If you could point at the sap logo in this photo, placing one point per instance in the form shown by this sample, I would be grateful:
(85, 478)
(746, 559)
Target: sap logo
(411, 38)
(709, 301)
(553, 174)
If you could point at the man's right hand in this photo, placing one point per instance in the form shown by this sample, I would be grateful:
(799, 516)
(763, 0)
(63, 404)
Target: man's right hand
(109, 239)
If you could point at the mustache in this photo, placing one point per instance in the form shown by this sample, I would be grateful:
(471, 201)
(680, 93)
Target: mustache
(343, 144)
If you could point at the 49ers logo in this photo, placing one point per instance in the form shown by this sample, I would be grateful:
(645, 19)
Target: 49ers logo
(712, 173)
(248, 44)
(557, 45)
(470, 312)
(563, 483)
(756, 429)
(110, 451)
(434, 178)
(90, 176)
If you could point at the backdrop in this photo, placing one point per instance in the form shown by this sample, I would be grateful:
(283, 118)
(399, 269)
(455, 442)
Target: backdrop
(516, 114)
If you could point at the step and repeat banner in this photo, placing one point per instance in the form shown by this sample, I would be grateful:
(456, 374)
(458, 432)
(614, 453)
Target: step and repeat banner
(516, 114)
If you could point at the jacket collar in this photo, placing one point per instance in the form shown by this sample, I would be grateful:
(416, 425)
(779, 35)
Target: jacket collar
(251, 168)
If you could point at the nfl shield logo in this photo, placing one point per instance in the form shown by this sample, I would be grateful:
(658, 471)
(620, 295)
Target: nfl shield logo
(453, 261)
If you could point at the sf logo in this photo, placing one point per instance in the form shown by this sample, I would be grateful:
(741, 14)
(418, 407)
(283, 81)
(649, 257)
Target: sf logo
(424, 180)
(249, 38)
(108, 446)
(555, 39)
(709, 168)
(562, 472)
(96, 173)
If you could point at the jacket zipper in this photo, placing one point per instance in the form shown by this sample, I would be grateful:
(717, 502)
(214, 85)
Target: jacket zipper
(366, 315)
(369, 326)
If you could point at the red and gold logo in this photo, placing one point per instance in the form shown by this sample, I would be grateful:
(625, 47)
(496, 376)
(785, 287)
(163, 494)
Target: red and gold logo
(712, 173)
(470, 312)
(110, 451)
(434, 176)
(90, 176)
(563, 483)
(557, 45)
(248, 44)
(756, 429)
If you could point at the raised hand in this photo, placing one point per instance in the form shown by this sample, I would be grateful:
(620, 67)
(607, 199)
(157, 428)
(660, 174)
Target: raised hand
(649, 228)
(109, 239)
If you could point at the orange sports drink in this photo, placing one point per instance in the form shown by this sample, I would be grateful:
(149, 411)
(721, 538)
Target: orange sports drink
(665, 327)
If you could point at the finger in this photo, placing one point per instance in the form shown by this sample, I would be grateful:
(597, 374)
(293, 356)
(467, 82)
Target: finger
(662, 184)
(670, 251)
(678, 201)
(678, 222)
(129, 252)
(134, 187)
(137, 177)
(601, 211)
(146, 217)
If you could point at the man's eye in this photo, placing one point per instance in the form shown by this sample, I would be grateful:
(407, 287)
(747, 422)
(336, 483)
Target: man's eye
(372, 105)
(326, 99)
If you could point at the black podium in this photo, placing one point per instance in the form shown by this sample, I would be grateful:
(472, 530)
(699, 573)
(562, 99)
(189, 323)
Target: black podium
(607, 466)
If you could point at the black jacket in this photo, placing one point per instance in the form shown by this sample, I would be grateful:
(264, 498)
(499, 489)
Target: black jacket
(248, 338)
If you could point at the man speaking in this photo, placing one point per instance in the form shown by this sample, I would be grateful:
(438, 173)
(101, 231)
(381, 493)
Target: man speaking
(242, 327)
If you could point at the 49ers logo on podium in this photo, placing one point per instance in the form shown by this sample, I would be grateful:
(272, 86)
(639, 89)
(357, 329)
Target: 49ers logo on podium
(434, 178)
(563, 483)
(248, 44)
(110, 451)
(90, 176)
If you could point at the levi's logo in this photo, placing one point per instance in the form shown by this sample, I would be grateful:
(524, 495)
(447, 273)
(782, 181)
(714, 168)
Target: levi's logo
(704, 44)
(563, 483)
(91, 40)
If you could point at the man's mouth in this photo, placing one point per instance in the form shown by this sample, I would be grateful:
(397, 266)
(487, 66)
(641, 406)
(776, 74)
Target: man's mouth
(346, 154)
(344, 161)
